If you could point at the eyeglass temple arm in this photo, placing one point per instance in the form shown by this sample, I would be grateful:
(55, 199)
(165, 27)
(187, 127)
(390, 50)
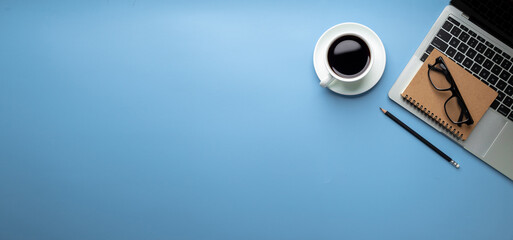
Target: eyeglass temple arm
(434, 68)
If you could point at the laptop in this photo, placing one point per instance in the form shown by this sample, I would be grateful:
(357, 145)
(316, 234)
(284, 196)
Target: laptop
(478, 35)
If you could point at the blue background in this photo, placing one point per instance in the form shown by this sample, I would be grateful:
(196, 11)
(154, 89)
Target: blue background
(205, 120)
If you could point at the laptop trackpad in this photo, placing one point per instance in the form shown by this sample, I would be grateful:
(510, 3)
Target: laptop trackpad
(500, 155)
(485, 133)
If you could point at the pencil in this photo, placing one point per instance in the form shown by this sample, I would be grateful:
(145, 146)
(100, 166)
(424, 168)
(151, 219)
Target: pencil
(455, 164)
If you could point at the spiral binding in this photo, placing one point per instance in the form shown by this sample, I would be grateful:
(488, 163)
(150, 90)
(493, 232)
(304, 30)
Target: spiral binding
(434, 117)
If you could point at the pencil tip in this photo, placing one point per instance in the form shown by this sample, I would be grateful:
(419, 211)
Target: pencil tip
(383, 110)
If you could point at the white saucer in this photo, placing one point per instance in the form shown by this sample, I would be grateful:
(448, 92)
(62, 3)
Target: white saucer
(377, 68)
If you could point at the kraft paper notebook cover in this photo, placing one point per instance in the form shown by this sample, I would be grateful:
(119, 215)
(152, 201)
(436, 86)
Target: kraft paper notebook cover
(477, 95)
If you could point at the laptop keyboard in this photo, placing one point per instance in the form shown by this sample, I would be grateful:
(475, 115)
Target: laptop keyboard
(485, 61)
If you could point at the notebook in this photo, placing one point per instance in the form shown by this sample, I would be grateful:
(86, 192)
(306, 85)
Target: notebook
(476, 94)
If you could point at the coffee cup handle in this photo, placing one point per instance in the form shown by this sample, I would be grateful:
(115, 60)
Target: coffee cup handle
(326, 80)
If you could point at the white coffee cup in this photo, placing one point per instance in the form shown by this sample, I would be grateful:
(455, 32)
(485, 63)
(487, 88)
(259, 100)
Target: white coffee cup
(347, 78)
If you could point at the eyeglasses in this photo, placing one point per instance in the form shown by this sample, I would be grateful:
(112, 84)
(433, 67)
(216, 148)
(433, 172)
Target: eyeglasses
(454, 106)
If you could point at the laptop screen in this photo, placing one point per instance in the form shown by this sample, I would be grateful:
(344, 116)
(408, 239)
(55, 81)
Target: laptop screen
(494, 16)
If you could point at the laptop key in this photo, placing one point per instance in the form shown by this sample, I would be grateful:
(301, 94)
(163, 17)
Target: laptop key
(497, 58)
(484, 74)
(498, 50)
(481, 39)
(467, 62)
(455, 31)
(438, 43)
(472, 42)
(464, 37)
(506, 64)
(424, 57)
(459, 57)
(463, 47)
(453, 21)
(447, 26)
(450, 52)
(471, 53)
(503, 110)
(464, 28)
(509, 91)
(429, 49)
(489, 53)
(500, 96)
(476, 68)
(495, 104)
(480, 47)
(479, 58)
(507, 56)
(444, 35)
(508, 101)
(496, 69)
(505, 75)
(454, 42)
(489, 44)
(493, 79)
(501, 85)
(472, 33)
(488, 64)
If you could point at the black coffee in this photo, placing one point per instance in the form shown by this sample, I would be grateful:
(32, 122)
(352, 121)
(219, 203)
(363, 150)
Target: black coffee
(349, 56)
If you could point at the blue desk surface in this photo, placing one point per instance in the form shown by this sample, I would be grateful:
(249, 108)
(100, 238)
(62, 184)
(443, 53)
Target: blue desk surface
(205, 120)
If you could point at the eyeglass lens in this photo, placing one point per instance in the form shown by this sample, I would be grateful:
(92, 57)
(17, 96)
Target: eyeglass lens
(454, 110)
(438, 78)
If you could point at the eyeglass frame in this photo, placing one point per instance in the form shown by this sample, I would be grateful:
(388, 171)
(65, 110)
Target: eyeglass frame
(453, 88)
